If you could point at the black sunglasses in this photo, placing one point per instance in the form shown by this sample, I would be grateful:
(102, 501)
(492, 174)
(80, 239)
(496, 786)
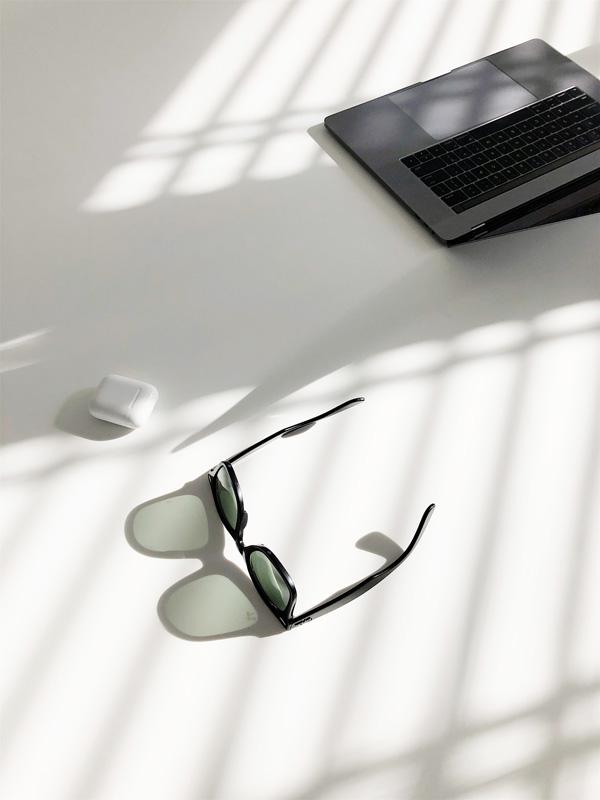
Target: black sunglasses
(267, 572)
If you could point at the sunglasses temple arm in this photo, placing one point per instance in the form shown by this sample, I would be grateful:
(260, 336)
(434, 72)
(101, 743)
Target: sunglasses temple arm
(352, 592)
(293, 430)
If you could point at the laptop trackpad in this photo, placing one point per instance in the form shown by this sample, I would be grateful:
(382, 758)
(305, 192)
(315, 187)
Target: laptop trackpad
(462, 99)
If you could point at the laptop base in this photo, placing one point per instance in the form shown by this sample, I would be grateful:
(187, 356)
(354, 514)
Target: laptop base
(572, 201)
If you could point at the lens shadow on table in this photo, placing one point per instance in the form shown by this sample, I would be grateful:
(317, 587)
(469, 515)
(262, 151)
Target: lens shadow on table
(218, 601)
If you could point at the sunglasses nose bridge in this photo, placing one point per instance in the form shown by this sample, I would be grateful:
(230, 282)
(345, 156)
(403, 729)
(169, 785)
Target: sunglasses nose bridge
(239, 540)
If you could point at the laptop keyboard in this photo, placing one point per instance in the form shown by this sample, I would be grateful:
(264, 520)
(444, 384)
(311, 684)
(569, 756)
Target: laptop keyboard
(495, 157)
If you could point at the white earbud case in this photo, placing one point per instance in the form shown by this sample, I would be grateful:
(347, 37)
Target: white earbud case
(123, 401)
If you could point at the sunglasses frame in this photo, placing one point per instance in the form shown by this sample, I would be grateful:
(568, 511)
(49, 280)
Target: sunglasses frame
(286, 615)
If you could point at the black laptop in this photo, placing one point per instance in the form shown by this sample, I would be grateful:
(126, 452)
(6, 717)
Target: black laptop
(504, 143)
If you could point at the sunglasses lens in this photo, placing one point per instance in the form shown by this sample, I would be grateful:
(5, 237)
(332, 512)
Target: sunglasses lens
(270, 579)
(226, 497)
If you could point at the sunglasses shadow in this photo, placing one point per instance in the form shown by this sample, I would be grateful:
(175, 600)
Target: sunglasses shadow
(219, 600)
(379, 544)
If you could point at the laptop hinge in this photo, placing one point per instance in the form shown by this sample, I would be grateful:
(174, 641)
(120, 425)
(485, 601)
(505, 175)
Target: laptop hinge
(577, 198)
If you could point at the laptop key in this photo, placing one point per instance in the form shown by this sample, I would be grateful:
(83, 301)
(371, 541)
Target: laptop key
(454, 197)
(435, 177)
(425, 167)
(525, 126)
(496, 179)
(453, 169)
(551, 127)
(462, 152)
(437, 150)
(450, 145)
(493, 152)
(440, 189)
(577, 116)
(510, 173)
(576, 104)
(579, 128)
(479, 158)
(522, 167)
(471, 190)
(534, 162)
(454, 183)
(484, 185)
(554, 139)
(494, 166)
(410, 161)
(506, 161)
(480, 172)
(590, 110)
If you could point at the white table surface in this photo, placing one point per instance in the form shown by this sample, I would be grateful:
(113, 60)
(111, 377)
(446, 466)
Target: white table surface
(169, 214)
